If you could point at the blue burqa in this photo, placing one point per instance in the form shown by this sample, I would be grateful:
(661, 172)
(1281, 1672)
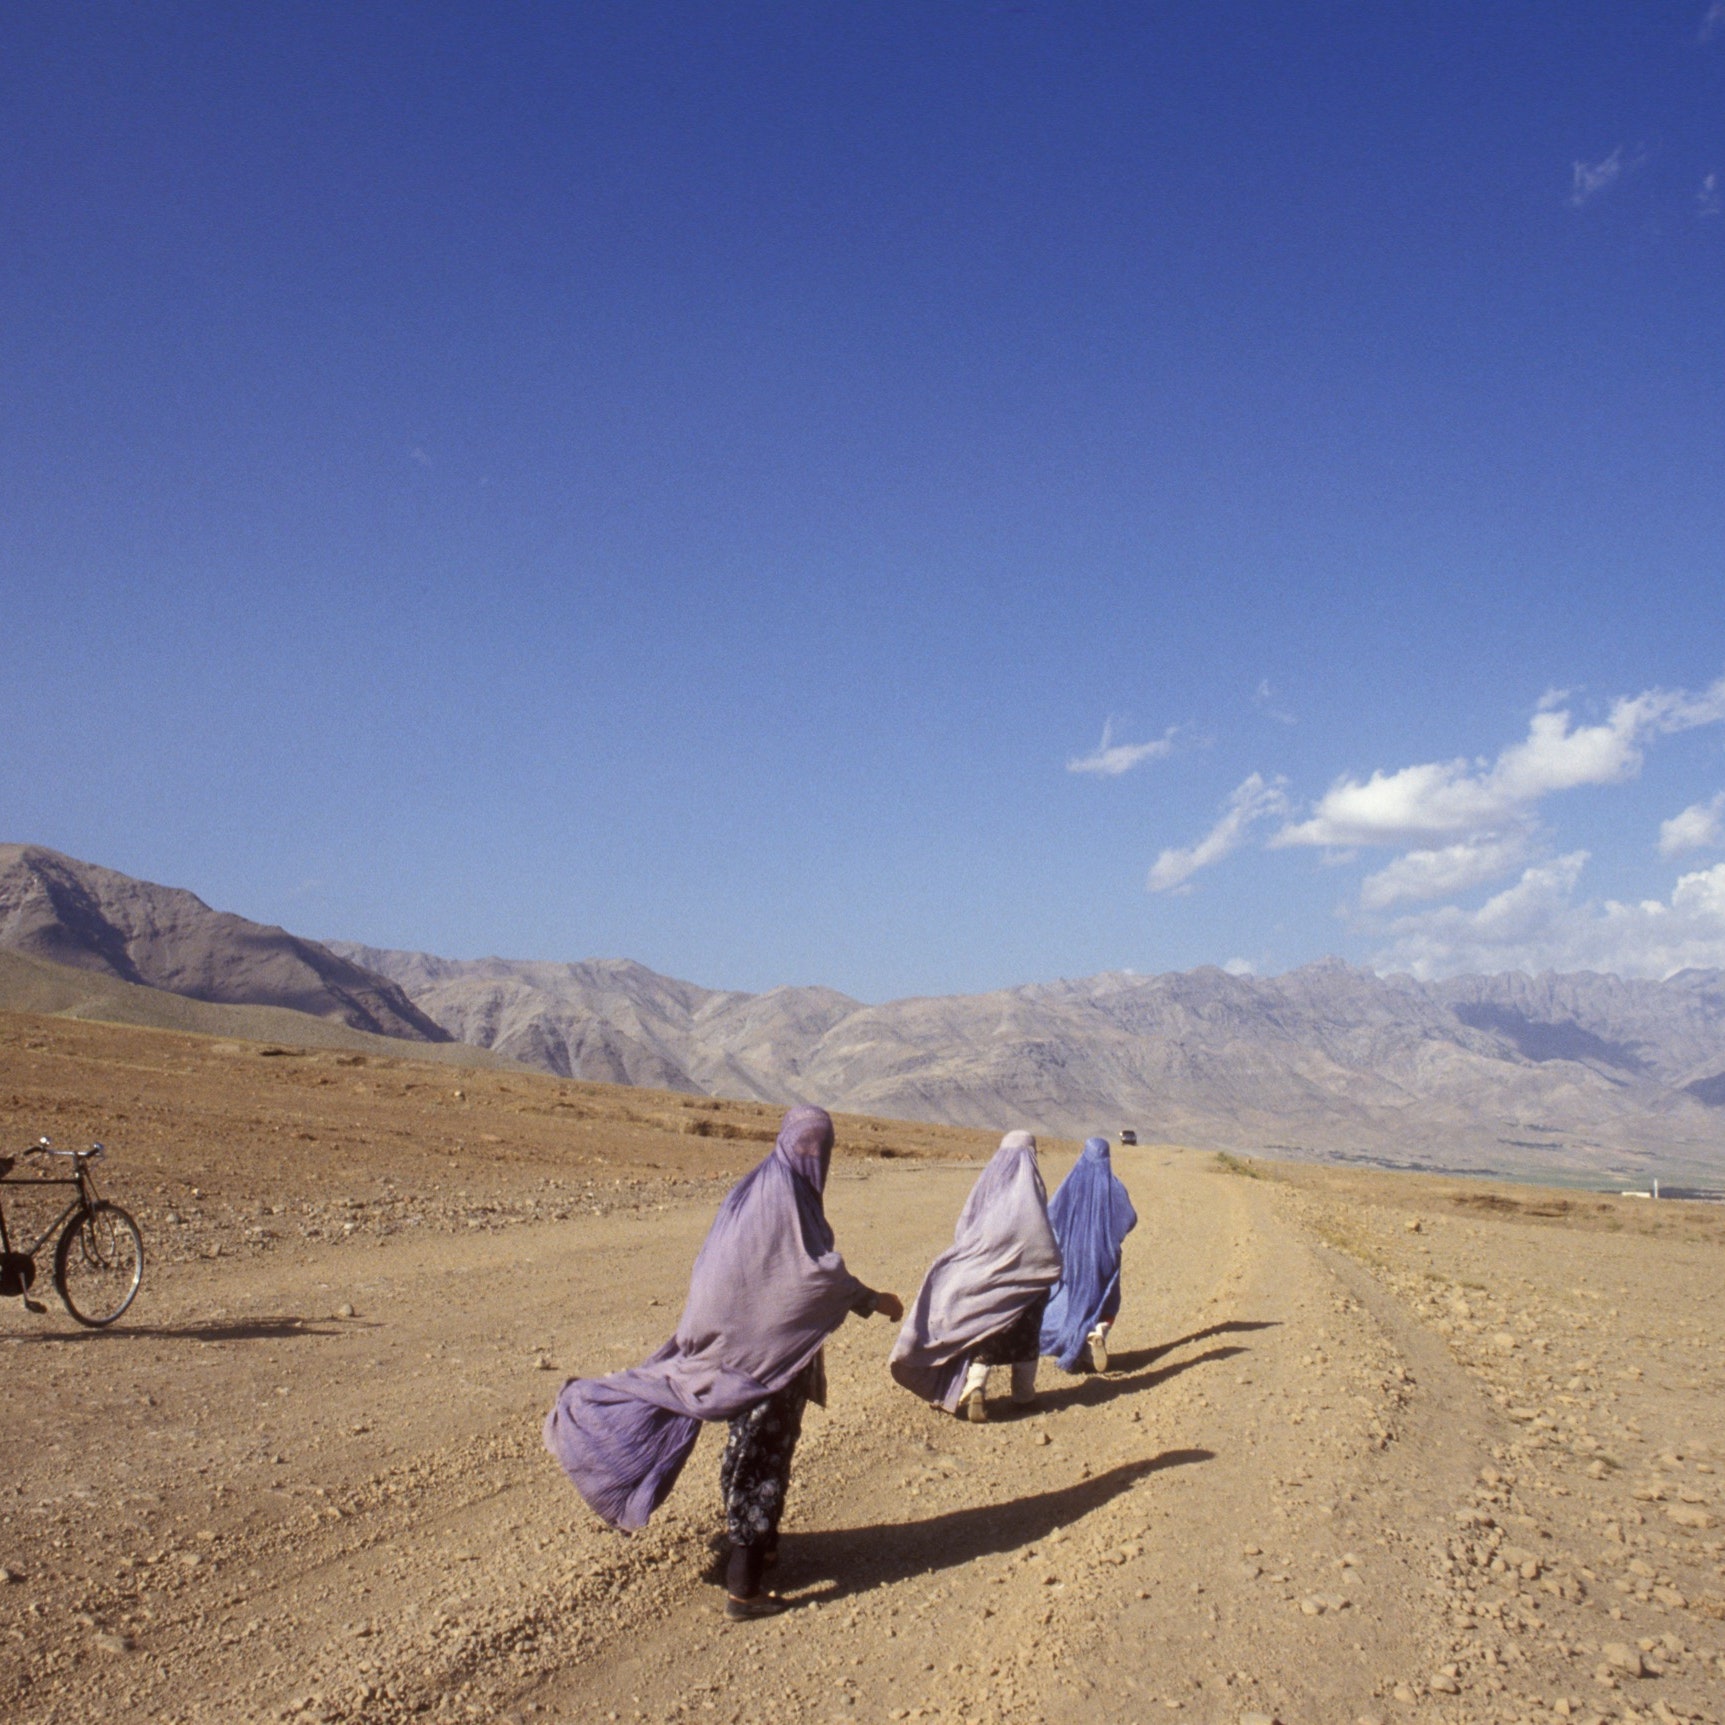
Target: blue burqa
(767, 1290)
(1091, 1216)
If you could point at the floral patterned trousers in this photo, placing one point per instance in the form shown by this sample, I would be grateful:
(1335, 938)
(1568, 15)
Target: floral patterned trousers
(756, 1471)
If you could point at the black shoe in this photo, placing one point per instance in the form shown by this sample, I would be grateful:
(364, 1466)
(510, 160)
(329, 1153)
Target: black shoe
(756, 1605)
(35, 1306)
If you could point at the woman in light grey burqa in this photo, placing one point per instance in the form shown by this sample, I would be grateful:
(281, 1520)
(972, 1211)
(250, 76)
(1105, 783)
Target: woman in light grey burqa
(981, 1303)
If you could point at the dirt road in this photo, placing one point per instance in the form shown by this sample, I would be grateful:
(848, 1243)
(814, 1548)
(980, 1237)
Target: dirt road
(1341, 1470)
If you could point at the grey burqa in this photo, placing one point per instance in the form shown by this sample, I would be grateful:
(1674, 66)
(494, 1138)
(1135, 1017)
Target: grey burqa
(1002, 1257)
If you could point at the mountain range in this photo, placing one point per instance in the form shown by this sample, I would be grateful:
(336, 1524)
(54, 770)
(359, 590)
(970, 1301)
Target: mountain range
(76, 914)
(1573, 1077)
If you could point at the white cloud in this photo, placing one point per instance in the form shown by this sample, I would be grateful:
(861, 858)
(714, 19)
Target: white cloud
(1701, 826)
(1448, 802)
(1707, 200)
(1240, 967)
(1266, 703)
(1537, 925)
(1589, 179)
(1110, 759)
(1255, 800)
(1425, 874)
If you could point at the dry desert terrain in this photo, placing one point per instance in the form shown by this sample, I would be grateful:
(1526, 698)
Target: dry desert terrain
(1373, 1447)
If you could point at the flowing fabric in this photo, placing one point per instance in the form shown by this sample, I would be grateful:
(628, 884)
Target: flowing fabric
(1002, 1257)
(767, 1289)
(1091, 1216)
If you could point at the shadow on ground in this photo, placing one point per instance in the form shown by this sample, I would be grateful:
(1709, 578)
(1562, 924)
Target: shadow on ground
(857, 1559)
(1135, 1359)
(239, 1330)
(1092, 1392)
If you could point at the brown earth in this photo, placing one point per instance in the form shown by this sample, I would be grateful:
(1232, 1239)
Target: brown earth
(1373, 1446)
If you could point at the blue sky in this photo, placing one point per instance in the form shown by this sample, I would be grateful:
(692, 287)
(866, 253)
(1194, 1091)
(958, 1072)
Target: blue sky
(911, 498)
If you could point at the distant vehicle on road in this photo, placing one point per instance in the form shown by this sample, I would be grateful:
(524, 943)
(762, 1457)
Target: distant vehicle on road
(1127, 1135)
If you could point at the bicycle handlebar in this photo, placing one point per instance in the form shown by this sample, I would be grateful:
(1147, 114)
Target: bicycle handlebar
(43, 1148)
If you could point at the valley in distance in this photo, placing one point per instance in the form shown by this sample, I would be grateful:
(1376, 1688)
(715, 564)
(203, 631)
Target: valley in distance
(1376, 1446)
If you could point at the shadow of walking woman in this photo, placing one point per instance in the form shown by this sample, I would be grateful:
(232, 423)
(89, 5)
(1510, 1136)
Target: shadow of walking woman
(859, 1559)
(1089, 1392)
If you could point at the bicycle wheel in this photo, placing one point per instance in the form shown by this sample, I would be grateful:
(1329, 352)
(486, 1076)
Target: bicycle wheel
(99, 1264)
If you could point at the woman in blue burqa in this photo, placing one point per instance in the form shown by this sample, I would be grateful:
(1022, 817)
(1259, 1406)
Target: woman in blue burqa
(767, 1290)
(1091, 1215)
(980, 1305)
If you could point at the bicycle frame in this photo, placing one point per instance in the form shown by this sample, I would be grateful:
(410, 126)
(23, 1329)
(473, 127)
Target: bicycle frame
(81, 1202)
(84, 1247)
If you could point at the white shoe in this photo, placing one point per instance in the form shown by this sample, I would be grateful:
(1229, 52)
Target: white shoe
(1097, 1341)
(973, 1403)
(1024, 1383)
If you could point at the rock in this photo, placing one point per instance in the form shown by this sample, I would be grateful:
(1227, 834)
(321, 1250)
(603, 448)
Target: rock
(1258, 1719)
(9, 1575)
(1504, 1342)
(1444, 1684)
(344, 1311)
(1688, 1515)
(1412, 1225)
(1620, 1656)
(1671, 1599)
(1313, 1606)
(109, 1642)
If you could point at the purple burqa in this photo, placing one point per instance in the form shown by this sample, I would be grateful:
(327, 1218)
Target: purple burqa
(767, 1290)
(1002, 1257)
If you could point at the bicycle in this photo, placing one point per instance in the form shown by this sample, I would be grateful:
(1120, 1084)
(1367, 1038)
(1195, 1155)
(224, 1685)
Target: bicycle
(99, 1262)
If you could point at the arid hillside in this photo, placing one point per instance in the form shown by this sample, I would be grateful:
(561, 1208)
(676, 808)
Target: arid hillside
(1375, 1447)
(74, 913)
(1584, 1079)
(1560, 1078)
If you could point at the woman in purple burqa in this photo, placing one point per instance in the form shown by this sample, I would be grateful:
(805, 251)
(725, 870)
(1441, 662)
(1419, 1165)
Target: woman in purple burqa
(981, 1302)
(767, 1289)
(1091, 1215)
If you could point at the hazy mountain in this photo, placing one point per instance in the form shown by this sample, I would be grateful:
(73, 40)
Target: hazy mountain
(57, 990)
(73, 913)
(1560, 1075)
(1553, 1075)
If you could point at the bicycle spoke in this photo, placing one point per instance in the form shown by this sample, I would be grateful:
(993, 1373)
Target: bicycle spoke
(99, 1264)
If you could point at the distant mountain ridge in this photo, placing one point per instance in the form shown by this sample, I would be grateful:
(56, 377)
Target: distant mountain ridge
(76, 914)
(1575, 1075)
(1556, 1076)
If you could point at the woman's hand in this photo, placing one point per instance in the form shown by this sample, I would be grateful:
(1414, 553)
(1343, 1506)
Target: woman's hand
(889, 1306)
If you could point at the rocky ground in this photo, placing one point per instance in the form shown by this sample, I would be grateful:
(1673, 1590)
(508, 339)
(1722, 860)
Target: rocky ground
(1373, 1447)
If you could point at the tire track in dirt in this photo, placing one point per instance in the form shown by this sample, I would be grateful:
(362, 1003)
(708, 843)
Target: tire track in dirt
(1171, 1535)
(1238, 1519)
